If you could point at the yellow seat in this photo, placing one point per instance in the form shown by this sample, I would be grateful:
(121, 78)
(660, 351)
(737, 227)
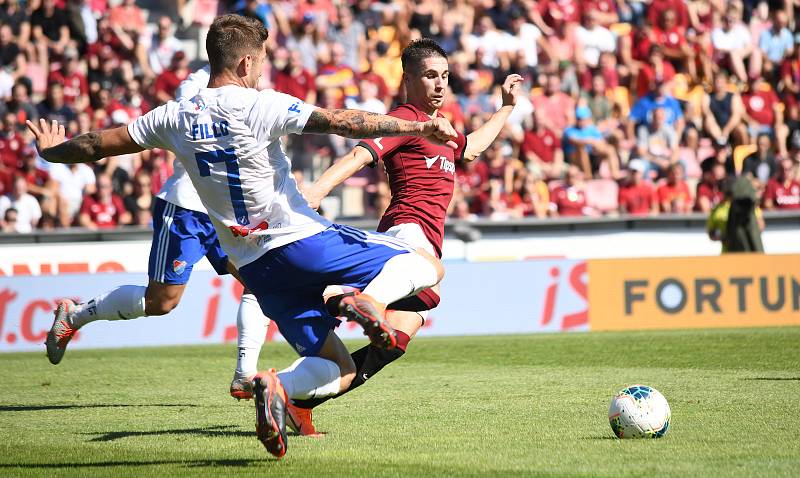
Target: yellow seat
(620, 29)
(741, 152)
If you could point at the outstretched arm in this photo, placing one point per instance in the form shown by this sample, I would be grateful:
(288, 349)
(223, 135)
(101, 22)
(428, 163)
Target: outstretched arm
(336, 175)
(481, 138)
(361, 124)
(86, 148)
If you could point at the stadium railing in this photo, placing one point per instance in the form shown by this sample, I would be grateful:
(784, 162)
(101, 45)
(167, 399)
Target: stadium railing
(465, 230)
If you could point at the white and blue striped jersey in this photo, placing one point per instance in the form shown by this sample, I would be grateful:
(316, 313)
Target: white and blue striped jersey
(228, 140)
(178, 188)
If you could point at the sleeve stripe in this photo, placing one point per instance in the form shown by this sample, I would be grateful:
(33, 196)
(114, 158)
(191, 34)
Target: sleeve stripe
(372, 152)
(463, 149)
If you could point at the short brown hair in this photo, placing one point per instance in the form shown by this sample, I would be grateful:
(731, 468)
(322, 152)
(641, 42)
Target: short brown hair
(231, 37)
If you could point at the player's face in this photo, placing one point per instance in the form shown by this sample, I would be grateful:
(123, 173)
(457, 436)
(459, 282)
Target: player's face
(426, 88)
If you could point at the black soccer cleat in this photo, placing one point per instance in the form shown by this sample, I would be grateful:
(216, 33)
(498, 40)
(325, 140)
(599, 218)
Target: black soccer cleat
(270, 399)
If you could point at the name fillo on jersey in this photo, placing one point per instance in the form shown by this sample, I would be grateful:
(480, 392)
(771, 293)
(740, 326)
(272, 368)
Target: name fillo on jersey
(209, 130)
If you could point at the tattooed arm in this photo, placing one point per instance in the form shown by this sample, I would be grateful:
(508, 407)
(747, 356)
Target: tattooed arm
(85, 148)
(361, 124)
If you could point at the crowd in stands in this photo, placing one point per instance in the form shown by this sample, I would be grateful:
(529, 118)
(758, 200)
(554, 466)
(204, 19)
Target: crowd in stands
(638, 107)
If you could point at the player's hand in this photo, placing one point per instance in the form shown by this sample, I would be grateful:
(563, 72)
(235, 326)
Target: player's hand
(439, 130)
(313, 195)
(47, 135)
(511, 89)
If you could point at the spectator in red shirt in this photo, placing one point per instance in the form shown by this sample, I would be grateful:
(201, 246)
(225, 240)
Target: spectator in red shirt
(557, 107)
(709, 193)
(11, 144)
(541, 149)
(128, 16)
(295, 80)
(674, 195)
(671, 37)
(41, 186)
(605, 11)
(637, 196)
(783, 191)
(140, 202)
(658, 70)
(569, 199)
(559, 11)
(764, 113)
(103, 209)
(790, 74)
(132, 103)
(530, 196)
(471, 177)
(169, 79)
(76, 88)
(678, 6)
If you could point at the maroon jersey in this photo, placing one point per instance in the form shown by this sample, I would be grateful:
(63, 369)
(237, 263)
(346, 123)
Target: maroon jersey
(784, 195)
(421, 177)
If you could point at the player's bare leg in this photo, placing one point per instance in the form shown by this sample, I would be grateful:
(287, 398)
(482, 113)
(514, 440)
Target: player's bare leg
(161, 299)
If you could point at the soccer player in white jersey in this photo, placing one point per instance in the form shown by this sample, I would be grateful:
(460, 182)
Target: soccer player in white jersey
(227, 137)
(182, 235)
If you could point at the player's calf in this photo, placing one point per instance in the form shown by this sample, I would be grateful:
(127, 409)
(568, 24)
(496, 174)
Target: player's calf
(161, 299)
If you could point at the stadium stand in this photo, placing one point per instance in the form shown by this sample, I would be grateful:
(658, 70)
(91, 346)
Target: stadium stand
(659, 83)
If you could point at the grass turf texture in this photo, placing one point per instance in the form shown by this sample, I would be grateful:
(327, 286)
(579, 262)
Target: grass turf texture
(506, 405)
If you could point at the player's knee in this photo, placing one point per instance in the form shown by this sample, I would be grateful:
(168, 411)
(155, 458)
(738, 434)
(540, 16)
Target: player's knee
(347, 373)
(436, 263)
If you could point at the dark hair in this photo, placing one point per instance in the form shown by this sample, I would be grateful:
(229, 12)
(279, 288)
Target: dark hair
(418, 50)
(232, 36)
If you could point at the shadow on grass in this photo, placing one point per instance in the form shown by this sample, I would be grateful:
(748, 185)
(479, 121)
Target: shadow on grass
(37, 408)
(600, 437)
(214, 431)
(104, 464)
(777, 379)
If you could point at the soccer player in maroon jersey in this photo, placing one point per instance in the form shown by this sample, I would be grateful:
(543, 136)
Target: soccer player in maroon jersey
(421, 178)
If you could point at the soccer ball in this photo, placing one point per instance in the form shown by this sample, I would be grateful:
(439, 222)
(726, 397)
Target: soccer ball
(639, 411)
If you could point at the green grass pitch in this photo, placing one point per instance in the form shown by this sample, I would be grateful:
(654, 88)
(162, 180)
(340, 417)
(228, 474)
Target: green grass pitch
(529, 405)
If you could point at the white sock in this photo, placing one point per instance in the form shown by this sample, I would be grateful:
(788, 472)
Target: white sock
(123, 303)
(252, 326)
(402, 275)
(310, 377)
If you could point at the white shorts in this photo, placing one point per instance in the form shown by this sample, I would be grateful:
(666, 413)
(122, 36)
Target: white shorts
(412, 234)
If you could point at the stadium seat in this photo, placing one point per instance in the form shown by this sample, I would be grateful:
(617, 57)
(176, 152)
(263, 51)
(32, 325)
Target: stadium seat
(741, 152)
(602, 194)
(622, 97)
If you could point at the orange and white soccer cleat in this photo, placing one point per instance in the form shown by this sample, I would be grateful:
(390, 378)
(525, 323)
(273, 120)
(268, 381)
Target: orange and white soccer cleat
(242, 386)
(299, 421)
(61, 331)
(270, 398)
(368, 313)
